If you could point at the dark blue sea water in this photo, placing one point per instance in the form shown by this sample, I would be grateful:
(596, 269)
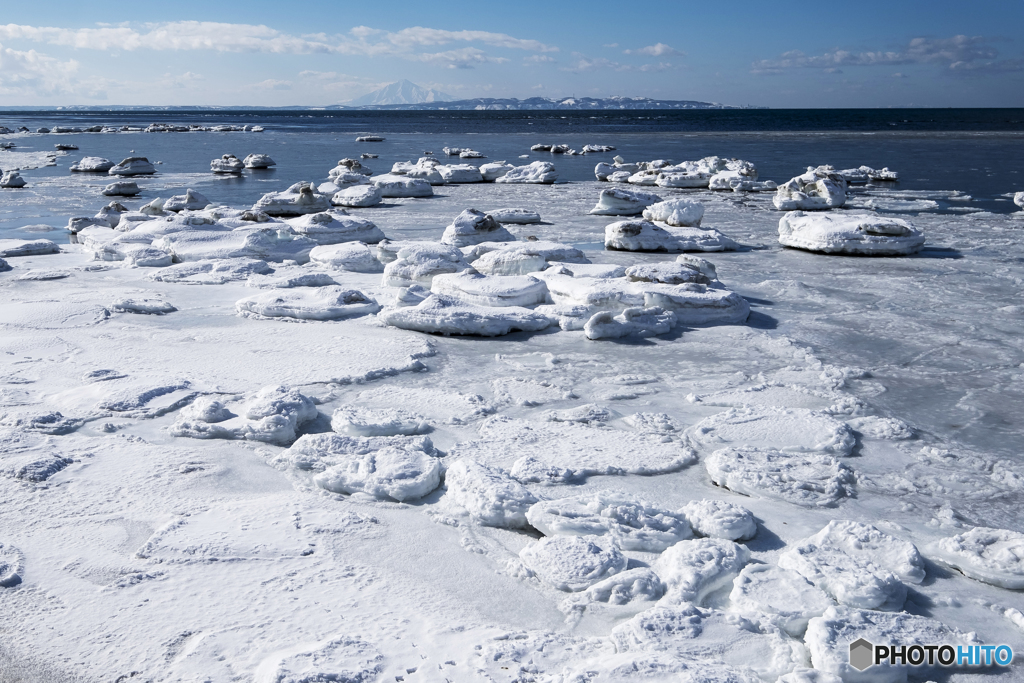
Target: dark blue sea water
(977, 151)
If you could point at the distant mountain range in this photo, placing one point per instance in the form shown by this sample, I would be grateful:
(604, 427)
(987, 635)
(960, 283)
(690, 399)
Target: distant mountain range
(401, 93)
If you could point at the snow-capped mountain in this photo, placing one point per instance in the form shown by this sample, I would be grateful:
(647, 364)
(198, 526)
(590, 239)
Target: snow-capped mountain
(402, 92)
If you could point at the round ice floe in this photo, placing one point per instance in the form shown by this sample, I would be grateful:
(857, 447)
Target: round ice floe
(695, 569)
(489, 495)
(811, 479)
(622, 202)
(732, 642)
(493, 171)
(819, 188)
(191, 200)
(397, 186)
(720, 519)
(537, 173)
(868, 543)
(851, 580)
(631, 322)
(357, 196)
(270, 244)
(359, 421)
(642, 235)
(212, 272)
(994, 556)
(829, 636)
(390, 472)
(776, 428)
(132, 166)
(442, 314)
(288, 279)
(683, 179)
(789, 597)
(515, 215)
(11, 565)
(573, 563)
(258, 161)
(228, 164)
(670, 273)
(520, 258)
(126, 188)
(299, 199)
(684, 213)
(92, 165)
(319, 452)
(354, 257)
(10, 247)
(473, 227)
(491, 290)
(321, 303)
(460, 173)
(849, 233)
(146, 306)
(418, 264)
(633, 524)
(335, 227)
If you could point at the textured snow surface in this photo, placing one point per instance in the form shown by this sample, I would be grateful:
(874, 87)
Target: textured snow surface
(693, 570)
(994, 556)
(788, 597)
(720, 519)
(573, 563)
(490, 495)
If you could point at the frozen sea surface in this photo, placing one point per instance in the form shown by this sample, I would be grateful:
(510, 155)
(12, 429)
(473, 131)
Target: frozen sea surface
(126, 549)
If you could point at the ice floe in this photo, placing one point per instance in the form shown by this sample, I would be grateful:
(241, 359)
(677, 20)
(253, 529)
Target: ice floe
(402, 186)
(191, 201)
(795, 430)
(817, 189)
(357, 196)
(258, 161)
(336, 226)
(91, 165)
(869, 543)
(994, 556)
(693, 570)
(145, 306)
(417, 263)
(389, 472)
(537, 173)
(631, 322)
(679, 212)
(261, 243)
(460, 173)
(573, 563)
(473, 227)
(447, 315)
(12, 247)
(520, 258)
(132, 166)
(354, 257)
(849, 233)
(360, 421)
(789, 598)
(228, 164)
(12, 563)
(642, 235)
(212, 271)
(811, 480)
(491, 172)
(12, 180)
(124, 188)
(491, 496)
(622, 202)
(308, 303)
(517, 216)
(720, 519)
(852, 580)
(301, 198)
(491, 290)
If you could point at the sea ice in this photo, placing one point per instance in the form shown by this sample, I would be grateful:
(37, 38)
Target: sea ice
(275, 413)
(258, 161)
(191, 201)
(516, 216)
(12, 563)
(491, 290)
(642, 235)
(344, 659)
(354, 257)
(334, 227)
(145, 306)
(10, 248)
(4, 266)
(789, 598)
(853, 580)
(679, 212)
(537, 173)
(819, 188)
(389, 472)
(343, 179)
(357, 196)
(391, 186)
(795, 430)
(573, 563)
(994, 556)
(693, 570)
(132, 166)
(12, 180)
(868, 543)
(307, 303)
(297, 200)
(417, 263)
(520, 258)
(849, 233)
(493, 171)
(349, 166)
(811, 480)
(622, 202)
(670, 273)
(720, 519)
(630, 586)
(460, 173)
(1018, 199)
(124, 188)
(360, 421)
(228, 164)
(441, 314)
(286, 279)
(212, 272)
(631, 322)
(490, 495)
(473, 227)
(261, 243)
(632, 524)
(91, 165)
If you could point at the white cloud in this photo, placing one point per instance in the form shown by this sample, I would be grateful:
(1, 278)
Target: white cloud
(656, 50)
(31, 72)
(584, 63)
(463, 58)
(538, 59)
(272, 84)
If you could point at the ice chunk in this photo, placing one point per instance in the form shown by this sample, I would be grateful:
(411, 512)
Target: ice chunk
(676, 212)
(390, 472)
(343, 179)
(811, 480)
(191, 200)
(622, 202)
(849, 233)
(402, 186)
(299, 199)
(206, 409)
(630, 586)
(868, 543)
(729, 642)
(829, 636)
(538, 173)
(492, 172)
(261, 243)
(1018, 199)
(4, 266)
(147, 306)
(321, 303)
(519, 258)
(258, 161)
(588, 413)
(427, 173)
(132, 166)
(791, 599)
(695, 569)
(359, 421)
(334, 227)
(357, 196)
(796, 430)
(671, 273)
(212, 272)
(631, 322)
(819, 188)
(720, 519)
(515, 215)
(473, 227)
(994, 556)
(460, 173)
(418, 263)
(441, 314)
(287, 280)
(52, 422)
(489, 495)
(124, 188)
(228, 164)
(683, 179)
(12, 565)
(349, 166)
(573, 563)
(91, 165)
(642, 235)
(319, 452)
(631, 523)
(354, 257)
(852, 580)
(491, 290)
(10, 248)
(272, 415)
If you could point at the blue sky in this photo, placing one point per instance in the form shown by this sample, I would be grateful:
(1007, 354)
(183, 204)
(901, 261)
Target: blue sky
(930, 54)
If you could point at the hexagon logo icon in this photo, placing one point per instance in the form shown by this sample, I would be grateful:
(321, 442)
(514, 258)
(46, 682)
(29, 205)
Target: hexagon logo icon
(861, 652)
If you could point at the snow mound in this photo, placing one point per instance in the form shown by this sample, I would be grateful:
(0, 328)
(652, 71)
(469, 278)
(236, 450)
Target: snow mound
(473, 227)
(793, 430)
(91, 165)
(789, 598)
(299, 199)
(145, 306)
(573, 563)
(132, 166)
(212, 272)
(390, 472)
(817, 189)
(491, 290)
(359, 421)
(490, 496)
(11, 565)
(357, 196)
(849, 233)
(520, 258)
(516, 216)
(617, 201)
(258, 161)
(632, 322)
(334, 227)
(994, 556)
(191, 201)
(642, 235)
(460, 173)
(343, 659)
(441, 314)
(852, 580)
(10, 248)
(681, 213)
(354, 257)
(537, 173)
(720, 519)
(398, 186)
(322, 303)
(632, 524)
(693, 570)
(868, 543)
(810, 480)
(417, 263)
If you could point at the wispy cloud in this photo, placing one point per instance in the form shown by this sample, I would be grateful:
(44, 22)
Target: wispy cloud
(273, 84)
(584, 64)
(656, 50)
(23, 72)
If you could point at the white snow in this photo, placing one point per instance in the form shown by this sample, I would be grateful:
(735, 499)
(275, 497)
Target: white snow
(812, 480)
(536, 173)
(817, 189)
(390, 472)
(335, 226)
(354, 257)
(995, 556)
(417, 263)
(776, 428)
(308, 303)
(125, 188)
(132, 166)
(852, 580)
(642, 235)
(402, 186)
(356, 420)
(298, 199)
(622, 202)
(491, 172)
(258, 161)
(490, 495)
(789, 598)
(869, 543)
(631, 322)
(145, 306)
(191, 201)
(849, 233)
(473, 227)
(694, 570)
(91, 165)
(228, 164)
(491, 290)
(520, 258)
(720, 519)
(11, 248)
(460, 173)
(678, 212)
(357, 196)
(573, 563)
(442, 314)
(519, 216)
